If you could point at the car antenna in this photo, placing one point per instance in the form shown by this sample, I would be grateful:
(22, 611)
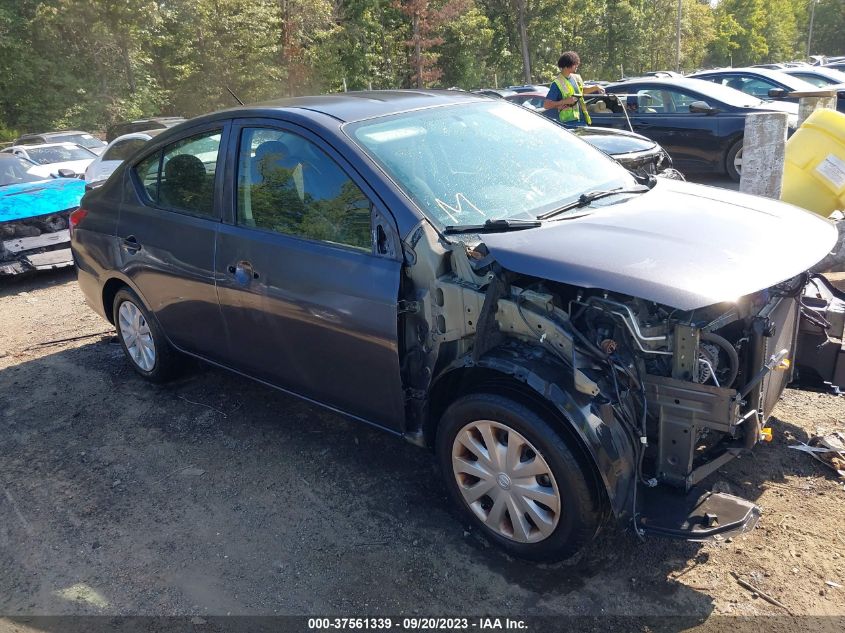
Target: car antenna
(234, 95)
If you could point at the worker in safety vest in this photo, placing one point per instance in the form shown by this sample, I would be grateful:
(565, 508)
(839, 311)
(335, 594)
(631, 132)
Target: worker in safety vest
(566, 94)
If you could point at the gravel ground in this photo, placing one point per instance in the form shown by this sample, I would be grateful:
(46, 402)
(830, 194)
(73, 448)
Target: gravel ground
(216, 495)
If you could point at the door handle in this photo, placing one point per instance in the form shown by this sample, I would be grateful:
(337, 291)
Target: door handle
(131, 244)
(243, 272)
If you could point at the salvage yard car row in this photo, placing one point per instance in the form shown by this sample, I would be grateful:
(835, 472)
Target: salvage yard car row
(699, 118)
(40, 185)
(34, 213)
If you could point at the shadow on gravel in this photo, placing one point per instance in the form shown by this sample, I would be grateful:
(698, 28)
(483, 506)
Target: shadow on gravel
(35, 281)
(216, 495)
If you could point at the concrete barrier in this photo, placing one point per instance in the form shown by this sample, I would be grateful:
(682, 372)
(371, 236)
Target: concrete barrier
(763, 149)
(809, 102)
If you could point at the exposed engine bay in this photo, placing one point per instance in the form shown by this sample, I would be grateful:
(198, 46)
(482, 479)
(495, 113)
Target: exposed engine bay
(687, 390)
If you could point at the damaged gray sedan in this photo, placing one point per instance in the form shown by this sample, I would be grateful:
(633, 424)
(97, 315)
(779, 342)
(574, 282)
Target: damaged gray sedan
(574, 342)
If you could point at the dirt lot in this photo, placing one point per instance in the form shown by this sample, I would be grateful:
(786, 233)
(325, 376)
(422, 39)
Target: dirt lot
(216, 495)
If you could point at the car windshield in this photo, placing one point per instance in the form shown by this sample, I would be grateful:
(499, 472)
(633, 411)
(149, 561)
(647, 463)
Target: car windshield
(14, 170)
(85, 140)
(58, 154)
(466, 164)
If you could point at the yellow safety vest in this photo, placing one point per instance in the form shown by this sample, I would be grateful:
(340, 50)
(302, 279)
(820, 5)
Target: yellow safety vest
(572, 113)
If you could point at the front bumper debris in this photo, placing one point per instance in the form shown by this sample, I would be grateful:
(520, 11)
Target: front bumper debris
(40, 243)
(696, 516)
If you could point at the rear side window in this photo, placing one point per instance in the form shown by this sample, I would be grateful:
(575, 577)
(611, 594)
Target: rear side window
(181, 176)
(147, 172)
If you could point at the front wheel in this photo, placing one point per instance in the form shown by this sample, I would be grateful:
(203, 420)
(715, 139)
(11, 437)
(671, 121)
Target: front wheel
(511, 475)
(733, 161)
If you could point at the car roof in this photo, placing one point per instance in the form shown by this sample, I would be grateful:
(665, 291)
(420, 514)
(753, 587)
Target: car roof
(144, 135)
(43, 145)
(822, 71)
(794, 83)
(60, 133)
(352, 106)
(690, 83)
(501, 92)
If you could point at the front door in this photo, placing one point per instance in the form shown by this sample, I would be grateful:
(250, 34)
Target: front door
(309, 304)
(691, 138)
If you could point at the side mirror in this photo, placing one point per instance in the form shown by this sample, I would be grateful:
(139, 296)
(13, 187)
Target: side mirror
(66, 173)
(778, 93)
(701, 107)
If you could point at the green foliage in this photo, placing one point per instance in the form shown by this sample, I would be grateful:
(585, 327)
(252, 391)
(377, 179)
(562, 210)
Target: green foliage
(89, 63)
(466, 50)
(829, 28)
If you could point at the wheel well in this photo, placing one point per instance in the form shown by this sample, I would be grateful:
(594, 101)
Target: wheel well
(733, 141)
(462, 382)
(111, 289)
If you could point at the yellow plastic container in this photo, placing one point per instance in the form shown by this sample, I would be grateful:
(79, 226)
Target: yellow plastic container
(814, 165)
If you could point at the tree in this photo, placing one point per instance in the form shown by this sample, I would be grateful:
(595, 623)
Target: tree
(425, 21)
(828, 28)
(740, 31)
(466, 49)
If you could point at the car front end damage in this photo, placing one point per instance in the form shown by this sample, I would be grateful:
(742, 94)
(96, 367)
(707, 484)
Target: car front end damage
(34, 220)
(37, 243)
(661, 390)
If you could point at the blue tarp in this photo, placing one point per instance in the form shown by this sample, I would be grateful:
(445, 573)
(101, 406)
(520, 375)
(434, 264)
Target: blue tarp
(32, 199)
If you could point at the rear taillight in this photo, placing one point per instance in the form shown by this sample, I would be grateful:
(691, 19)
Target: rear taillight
(75, 218)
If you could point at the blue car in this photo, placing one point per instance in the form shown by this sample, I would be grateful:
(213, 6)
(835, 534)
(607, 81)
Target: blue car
(34, 215)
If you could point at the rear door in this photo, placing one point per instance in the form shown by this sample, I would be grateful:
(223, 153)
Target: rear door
(307, 281)
(166, 234)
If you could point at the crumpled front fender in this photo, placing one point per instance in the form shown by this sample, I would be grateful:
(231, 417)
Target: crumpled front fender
(603, 441)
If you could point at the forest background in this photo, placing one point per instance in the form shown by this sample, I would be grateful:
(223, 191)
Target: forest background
(84, 64)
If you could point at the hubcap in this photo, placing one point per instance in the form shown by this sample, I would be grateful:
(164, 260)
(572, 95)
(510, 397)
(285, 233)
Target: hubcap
(505, 481)
(738, 161)
(136, 335)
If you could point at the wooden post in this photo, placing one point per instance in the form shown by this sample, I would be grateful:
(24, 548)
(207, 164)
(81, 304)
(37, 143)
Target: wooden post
(762, 154)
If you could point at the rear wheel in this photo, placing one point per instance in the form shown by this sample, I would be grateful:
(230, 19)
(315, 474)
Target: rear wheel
(733, 161)
(512, 476)
(142, 340)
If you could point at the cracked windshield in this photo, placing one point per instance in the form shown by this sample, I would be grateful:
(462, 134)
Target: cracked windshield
(472, 163)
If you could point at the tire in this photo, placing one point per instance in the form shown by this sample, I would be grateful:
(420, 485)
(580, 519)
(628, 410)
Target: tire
(733, 156)
(569, 512)
(141, 338)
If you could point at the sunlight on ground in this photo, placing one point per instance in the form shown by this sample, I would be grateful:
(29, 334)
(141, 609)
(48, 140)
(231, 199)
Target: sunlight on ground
(83, 592)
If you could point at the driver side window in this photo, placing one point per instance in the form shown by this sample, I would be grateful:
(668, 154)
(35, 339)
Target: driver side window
(288, 185)
(681, 101)
(650, 101)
